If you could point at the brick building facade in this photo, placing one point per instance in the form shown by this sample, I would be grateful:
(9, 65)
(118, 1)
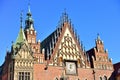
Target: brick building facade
(60, 56)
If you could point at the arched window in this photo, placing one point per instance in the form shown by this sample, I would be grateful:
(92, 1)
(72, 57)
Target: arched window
(78, 79)
(63, 78)
(100, 78)
(56, 78)
(105, 78)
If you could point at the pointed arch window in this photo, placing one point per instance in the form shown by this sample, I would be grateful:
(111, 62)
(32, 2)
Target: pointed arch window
(105, 78)
(56, 78)
(100, 78)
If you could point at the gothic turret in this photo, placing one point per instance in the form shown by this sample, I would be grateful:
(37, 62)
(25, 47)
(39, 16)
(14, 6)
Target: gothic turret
(99, 44)
(30, 32)
(21, 36)
(29, 23)
(21, 39)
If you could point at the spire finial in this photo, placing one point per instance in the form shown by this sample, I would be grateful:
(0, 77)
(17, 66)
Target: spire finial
(29, 6)
(65, 16)
(98, 36)
(21, 14)
(82, 45)
(7, 49)
(29, 12)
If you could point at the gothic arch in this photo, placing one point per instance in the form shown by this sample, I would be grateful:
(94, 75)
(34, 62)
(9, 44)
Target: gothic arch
(100, 78)
(105, 78)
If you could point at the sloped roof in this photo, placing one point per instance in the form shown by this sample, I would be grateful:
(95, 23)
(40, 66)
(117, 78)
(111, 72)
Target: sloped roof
(49, 43)
(21, 36)
(21, 40)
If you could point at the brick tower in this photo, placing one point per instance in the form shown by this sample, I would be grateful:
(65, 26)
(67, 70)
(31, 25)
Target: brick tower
(31, 35)
(99, 57)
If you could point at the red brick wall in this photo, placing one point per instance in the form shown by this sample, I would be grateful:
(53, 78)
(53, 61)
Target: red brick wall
(52, 72)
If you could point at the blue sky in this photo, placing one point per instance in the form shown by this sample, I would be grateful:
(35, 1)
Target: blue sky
(88, 16)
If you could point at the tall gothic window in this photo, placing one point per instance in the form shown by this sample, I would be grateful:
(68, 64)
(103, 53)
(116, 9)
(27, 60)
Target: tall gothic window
(56, 78)
(105, 78)
(24, 76)
(100, 78)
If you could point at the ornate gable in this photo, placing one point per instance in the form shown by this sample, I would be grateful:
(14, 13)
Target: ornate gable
(24, 53)
(64, 44)
(68, 48)
(21, 49)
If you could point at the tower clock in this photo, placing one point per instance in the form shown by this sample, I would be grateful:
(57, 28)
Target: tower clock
(71, 68)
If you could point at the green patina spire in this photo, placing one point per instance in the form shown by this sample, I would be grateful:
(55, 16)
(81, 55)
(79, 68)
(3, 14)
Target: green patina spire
(29, 23)
(29, 12)
(21, 36)
(21, 39)
(21, 22)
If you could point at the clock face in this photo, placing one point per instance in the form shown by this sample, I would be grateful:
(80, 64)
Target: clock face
(71, 68)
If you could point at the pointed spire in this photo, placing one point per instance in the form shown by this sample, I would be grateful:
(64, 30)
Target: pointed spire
(78, 38)
(7, 50)
(21, 19)
(98, 36)
(29, 7)
(29, 12)
(65, 16)
(98, 40)
(75, 33)
(29, 23)
(84, 50)
(12, 43)
(64, 19)
(70, 23)
(21, 36)
(82, 45)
